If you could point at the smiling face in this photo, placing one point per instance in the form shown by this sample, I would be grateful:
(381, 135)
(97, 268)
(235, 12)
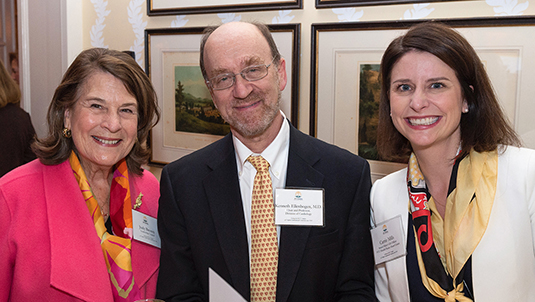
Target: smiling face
(249, 107)
(103, 122)
(426, 101)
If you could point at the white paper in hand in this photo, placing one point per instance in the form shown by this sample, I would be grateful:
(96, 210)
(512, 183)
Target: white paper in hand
(220, 290)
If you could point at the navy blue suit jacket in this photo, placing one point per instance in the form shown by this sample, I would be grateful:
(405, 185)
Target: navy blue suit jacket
(201, 224)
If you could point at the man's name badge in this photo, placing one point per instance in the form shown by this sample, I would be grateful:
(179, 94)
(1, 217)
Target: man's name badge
(302, 207)
(387, 239)
(145, 228)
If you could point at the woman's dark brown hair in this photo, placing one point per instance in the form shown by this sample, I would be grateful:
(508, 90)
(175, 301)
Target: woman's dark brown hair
(55, 148)
(483, 127)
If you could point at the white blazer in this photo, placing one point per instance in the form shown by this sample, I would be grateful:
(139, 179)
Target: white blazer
(503, 264)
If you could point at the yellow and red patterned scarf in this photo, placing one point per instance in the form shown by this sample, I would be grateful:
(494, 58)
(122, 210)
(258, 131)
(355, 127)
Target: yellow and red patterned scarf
(117, 248)
(444, 246)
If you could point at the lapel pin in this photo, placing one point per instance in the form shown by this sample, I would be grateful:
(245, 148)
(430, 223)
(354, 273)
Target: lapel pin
(138, 201)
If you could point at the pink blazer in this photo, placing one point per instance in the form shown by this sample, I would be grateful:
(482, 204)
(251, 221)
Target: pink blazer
(49, 249)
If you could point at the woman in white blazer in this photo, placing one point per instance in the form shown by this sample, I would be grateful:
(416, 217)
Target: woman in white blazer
(466, 201)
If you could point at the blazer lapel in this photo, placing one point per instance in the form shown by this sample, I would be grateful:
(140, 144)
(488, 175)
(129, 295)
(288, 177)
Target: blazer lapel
(145, 257)
(393, 204)
(293, 239)
(224, 198)
(397, 268)
(77, 262)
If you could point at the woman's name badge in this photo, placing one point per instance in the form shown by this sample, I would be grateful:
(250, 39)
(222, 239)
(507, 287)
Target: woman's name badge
(302, 207)
(387, 239)
(145, 228)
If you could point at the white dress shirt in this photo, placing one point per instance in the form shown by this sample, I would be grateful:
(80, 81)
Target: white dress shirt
(277, 156)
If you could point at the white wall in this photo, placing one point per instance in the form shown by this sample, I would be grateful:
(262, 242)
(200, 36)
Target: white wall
(42, 48)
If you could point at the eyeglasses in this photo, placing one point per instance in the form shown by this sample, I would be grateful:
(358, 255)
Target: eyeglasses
(250, 73)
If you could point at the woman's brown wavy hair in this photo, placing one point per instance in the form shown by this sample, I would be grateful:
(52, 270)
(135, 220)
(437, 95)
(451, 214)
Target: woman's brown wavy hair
(55, 148)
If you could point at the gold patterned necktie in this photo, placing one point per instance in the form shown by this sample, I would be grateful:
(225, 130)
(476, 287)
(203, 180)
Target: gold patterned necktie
(264, 250)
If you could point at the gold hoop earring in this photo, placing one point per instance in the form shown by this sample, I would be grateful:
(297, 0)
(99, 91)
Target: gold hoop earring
(67, 133)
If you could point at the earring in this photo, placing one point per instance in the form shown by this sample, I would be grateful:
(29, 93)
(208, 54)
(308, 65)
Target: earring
(465, 110)
(67, 133)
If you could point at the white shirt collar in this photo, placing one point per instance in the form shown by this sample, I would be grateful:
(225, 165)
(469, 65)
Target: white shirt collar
(271, 153)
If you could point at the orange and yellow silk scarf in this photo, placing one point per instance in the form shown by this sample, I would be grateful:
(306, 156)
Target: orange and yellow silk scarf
(444, 245)
(117, 248)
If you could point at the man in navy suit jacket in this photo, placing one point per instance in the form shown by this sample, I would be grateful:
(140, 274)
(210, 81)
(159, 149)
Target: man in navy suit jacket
(205, 204)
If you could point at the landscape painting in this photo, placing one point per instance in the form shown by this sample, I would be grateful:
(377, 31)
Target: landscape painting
(369, 95)
(194, 109)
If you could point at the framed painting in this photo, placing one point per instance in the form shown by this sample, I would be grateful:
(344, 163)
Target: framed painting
(189, 118)
(350, 3)
(345, 88)
(181, 7)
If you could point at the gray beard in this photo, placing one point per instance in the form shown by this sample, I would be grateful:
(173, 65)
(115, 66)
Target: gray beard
(244, 127)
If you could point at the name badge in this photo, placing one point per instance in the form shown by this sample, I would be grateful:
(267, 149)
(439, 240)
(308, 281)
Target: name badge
(302, 207)
(387, 239)
(145, 228)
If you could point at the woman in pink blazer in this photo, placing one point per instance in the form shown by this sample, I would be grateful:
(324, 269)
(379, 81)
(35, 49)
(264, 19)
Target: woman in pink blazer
(68, 231)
